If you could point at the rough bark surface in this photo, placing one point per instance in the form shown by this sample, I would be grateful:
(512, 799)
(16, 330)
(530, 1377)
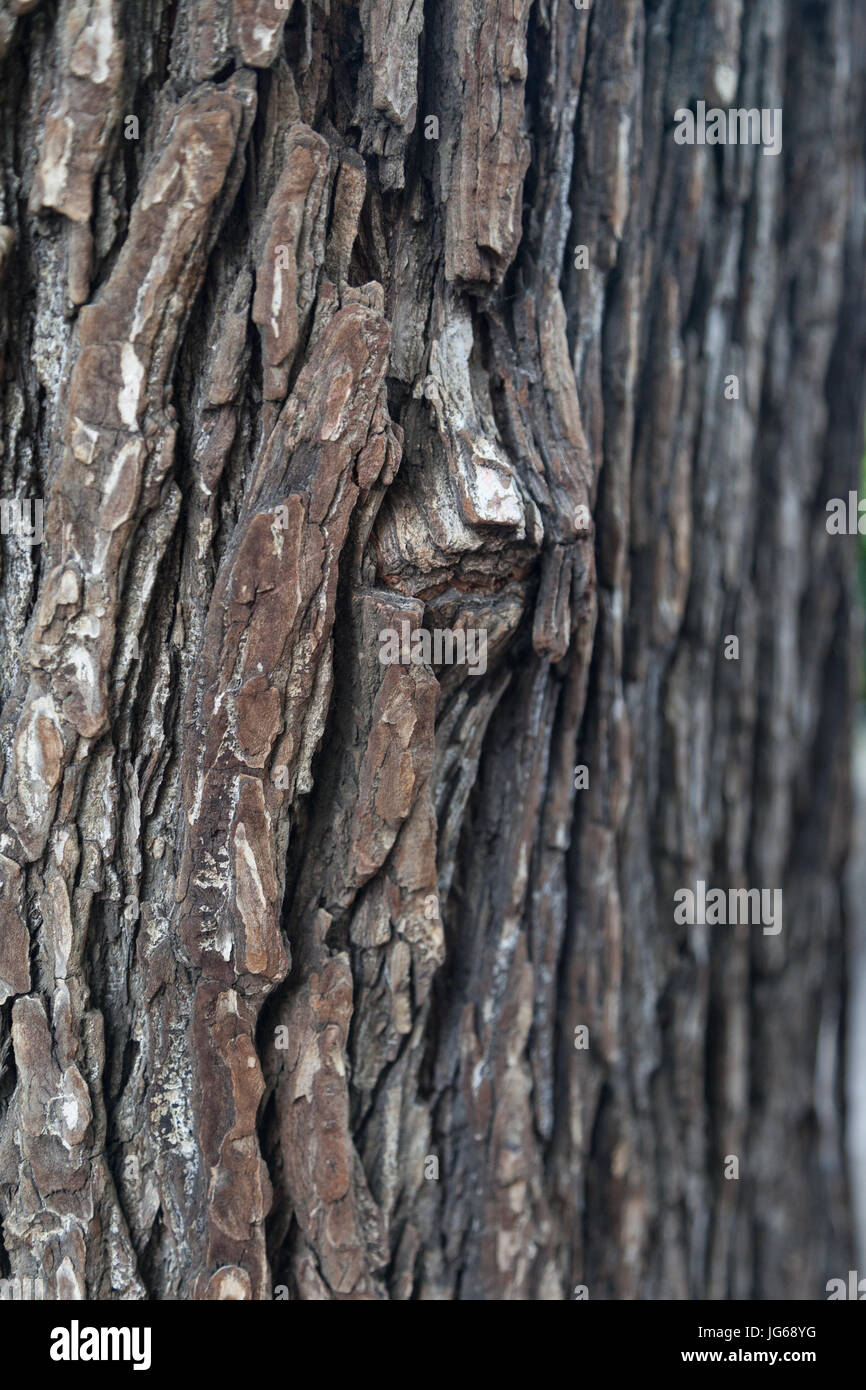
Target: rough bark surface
(291, 363)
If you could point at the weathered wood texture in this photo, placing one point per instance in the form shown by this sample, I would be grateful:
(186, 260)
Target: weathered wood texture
(289, 364)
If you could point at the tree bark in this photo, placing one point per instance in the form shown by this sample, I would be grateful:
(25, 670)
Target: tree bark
(299, 949)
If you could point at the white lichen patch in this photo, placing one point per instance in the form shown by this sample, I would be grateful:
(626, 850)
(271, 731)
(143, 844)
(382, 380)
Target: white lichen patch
(129, 395)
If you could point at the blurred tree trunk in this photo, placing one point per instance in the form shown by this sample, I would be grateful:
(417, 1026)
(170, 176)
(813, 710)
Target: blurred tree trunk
(297, 948)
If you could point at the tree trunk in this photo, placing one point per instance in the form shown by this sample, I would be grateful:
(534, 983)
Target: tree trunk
(333, 966)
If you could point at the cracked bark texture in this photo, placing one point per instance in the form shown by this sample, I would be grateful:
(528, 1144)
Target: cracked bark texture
(289, 364)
